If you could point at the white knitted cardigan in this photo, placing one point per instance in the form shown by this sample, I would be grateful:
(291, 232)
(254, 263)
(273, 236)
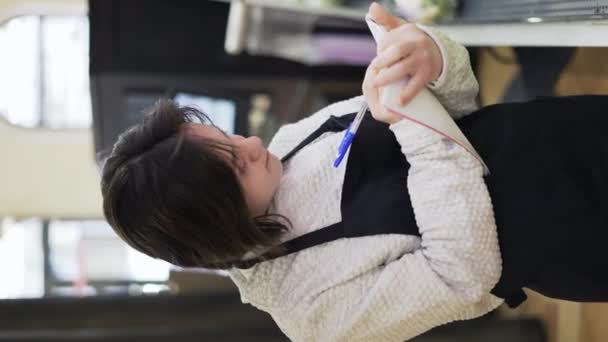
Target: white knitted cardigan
(383, 287)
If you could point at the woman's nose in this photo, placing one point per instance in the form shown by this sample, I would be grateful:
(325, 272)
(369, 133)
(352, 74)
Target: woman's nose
(254, 147)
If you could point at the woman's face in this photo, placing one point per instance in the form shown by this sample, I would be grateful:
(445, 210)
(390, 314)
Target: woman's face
(260, 171)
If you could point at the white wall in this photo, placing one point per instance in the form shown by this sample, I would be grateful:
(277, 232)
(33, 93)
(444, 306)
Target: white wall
(48, 173)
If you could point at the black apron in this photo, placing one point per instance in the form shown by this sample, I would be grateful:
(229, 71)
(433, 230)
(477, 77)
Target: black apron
(549, 187)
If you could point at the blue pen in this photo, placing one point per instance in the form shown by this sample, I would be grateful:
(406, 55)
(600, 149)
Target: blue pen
(350, 135)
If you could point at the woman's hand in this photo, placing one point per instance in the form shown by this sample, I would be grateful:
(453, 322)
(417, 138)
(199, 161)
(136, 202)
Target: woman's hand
(371, 93)
(404, 51)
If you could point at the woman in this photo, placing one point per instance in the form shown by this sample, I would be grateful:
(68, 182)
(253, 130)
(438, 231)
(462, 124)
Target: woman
(403, 236)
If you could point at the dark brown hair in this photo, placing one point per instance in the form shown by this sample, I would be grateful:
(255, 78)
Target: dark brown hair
(173, 197)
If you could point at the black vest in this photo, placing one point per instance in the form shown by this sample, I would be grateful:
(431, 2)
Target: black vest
(548, 185)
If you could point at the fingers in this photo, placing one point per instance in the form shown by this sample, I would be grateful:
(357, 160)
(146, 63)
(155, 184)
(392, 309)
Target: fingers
(412, 88)
(383, 17)
(372, 97)
(404, 33)
(392, 55)
(398, 71)
(404, 51)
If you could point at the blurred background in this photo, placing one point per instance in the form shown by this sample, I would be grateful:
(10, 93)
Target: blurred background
(76, 73)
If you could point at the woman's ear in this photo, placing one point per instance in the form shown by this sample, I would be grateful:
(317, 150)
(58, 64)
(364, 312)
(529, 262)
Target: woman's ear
(383, 17)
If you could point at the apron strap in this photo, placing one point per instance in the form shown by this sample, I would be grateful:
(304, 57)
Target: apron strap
(317, 237)
(333, 124)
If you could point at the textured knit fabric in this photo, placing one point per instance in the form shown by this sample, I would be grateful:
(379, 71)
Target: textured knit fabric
(384, 287)
(457, 96)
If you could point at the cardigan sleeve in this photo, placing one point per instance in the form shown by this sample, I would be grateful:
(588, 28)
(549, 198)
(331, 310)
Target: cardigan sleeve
(457, 87)
(448, 278)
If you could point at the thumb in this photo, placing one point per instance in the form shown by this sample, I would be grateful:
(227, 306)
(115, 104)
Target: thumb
(383, 17)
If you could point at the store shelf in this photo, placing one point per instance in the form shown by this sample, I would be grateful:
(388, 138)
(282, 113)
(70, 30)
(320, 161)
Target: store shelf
(591, 33)
(580, 33)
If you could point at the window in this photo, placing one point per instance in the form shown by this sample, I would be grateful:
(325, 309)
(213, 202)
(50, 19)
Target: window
(44, 68)
(222, 112)
(44, 82)
(21, 258)
(87, 258)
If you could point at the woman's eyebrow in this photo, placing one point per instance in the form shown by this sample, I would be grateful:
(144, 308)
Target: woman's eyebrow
(232, 150)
